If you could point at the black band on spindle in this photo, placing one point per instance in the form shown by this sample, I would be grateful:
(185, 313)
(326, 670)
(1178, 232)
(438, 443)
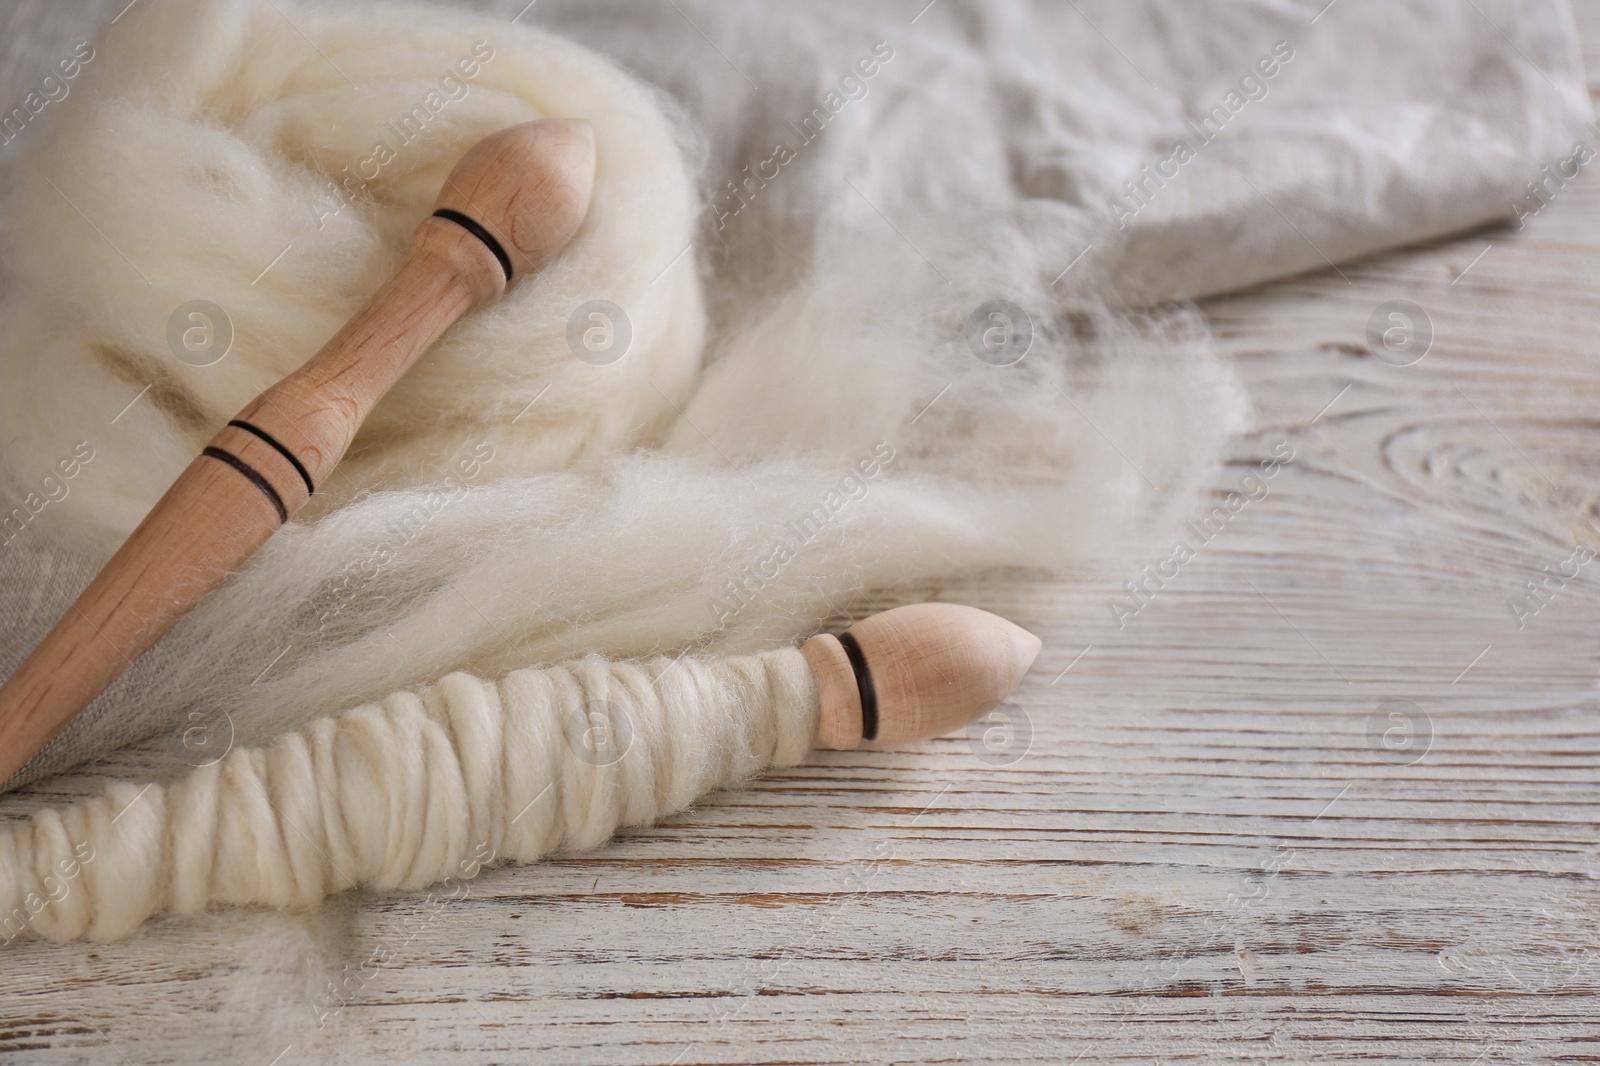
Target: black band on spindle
(472, 226)
(253, 476)
(294, 460)
(869, 694)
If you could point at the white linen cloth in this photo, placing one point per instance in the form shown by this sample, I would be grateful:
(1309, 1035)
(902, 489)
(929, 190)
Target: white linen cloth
(1394, 121)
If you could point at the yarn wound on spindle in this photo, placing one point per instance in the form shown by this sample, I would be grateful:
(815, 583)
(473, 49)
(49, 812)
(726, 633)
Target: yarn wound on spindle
(405, 793)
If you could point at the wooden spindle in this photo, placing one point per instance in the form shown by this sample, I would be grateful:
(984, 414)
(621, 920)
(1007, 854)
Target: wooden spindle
(515, 199)
(914, 672)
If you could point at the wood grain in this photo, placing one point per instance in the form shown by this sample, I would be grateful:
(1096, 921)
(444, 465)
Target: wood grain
(1200, 855)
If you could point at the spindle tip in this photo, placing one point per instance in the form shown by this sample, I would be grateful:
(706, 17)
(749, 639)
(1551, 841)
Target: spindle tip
(528, 186)
(915, 672)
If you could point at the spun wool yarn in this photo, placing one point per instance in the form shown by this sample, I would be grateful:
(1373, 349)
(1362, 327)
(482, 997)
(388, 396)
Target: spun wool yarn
(405, 793)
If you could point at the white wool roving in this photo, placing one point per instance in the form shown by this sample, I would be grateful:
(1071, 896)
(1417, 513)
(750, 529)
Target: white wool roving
(422, 788)
(213, 153)
(834, 427)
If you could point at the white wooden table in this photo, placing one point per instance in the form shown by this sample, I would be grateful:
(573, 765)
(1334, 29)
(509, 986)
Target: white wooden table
(1217, 844)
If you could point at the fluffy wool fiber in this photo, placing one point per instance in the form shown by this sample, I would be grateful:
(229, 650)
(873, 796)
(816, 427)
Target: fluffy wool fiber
(510, 504)
(212, 153)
